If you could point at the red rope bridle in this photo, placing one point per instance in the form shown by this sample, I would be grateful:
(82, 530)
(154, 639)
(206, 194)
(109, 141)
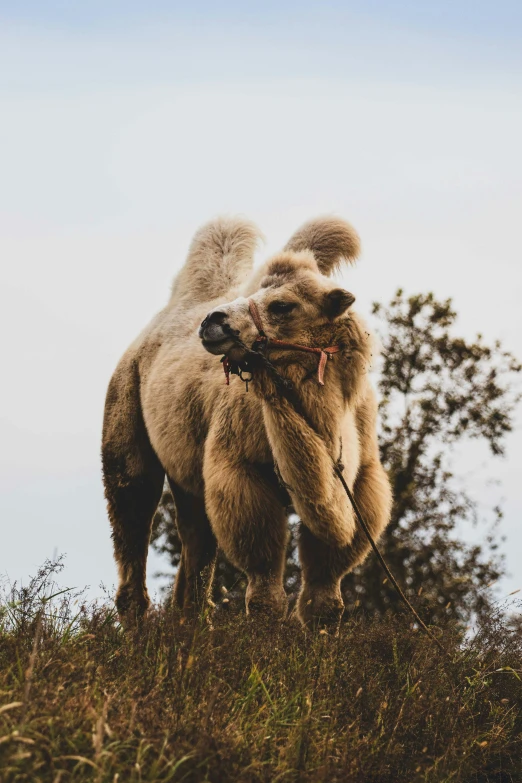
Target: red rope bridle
(266, 342)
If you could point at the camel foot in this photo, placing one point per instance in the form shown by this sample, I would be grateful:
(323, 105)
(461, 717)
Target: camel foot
(320, 607)
(132, 606)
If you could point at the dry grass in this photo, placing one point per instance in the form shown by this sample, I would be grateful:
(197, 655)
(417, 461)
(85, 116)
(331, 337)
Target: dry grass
(225, 700)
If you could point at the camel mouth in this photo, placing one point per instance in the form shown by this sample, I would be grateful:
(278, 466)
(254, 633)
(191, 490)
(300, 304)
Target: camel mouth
(217, 347)
(214, 343)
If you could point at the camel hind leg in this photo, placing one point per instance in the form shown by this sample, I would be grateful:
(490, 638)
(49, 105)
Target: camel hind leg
(133, 479)
(198, 554)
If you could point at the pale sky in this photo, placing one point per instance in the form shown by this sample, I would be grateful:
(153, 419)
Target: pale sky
(127, 125)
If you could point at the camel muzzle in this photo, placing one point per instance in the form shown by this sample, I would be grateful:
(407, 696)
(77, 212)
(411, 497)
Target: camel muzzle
(213, 328)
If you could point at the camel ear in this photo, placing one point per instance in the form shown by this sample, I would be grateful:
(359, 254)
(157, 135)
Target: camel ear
(336, 302)
(330, 239)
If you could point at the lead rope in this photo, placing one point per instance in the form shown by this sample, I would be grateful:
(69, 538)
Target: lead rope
(338, 470)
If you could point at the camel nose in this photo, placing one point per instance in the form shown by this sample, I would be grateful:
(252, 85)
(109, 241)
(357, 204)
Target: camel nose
(211, 327)
(215, 317)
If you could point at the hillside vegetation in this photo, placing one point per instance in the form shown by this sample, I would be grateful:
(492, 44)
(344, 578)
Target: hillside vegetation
(224, 699)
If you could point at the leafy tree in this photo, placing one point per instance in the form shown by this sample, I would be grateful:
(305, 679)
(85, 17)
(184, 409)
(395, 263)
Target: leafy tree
(437, 390)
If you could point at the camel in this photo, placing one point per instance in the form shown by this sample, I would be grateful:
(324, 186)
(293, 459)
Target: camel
(235, 459)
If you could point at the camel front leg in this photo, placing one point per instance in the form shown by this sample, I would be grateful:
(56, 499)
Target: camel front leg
(323, 566)
(305, 461)
(330, 541)
(248, 518)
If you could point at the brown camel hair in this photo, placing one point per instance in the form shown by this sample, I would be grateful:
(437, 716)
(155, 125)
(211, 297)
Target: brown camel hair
(169, 413)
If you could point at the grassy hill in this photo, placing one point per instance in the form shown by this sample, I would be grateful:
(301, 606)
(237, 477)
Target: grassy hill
(224, 699)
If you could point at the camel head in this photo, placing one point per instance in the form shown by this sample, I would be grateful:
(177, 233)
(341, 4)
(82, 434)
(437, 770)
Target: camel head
(294, 297)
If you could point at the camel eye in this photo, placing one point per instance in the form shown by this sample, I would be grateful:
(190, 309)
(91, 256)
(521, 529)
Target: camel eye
(281, 308)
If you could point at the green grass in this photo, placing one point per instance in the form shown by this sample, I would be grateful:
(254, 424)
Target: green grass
(224, 699)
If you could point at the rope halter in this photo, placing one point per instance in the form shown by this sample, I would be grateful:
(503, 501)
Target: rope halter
(265, 341)
(262, 342)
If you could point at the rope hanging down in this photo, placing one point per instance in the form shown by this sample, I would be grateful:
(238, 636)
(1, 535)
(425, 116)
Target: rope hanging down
(382, 561)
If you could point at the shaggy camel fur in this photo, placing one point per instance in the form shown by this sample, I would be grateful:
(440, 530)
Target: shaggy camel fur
(169, 412)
